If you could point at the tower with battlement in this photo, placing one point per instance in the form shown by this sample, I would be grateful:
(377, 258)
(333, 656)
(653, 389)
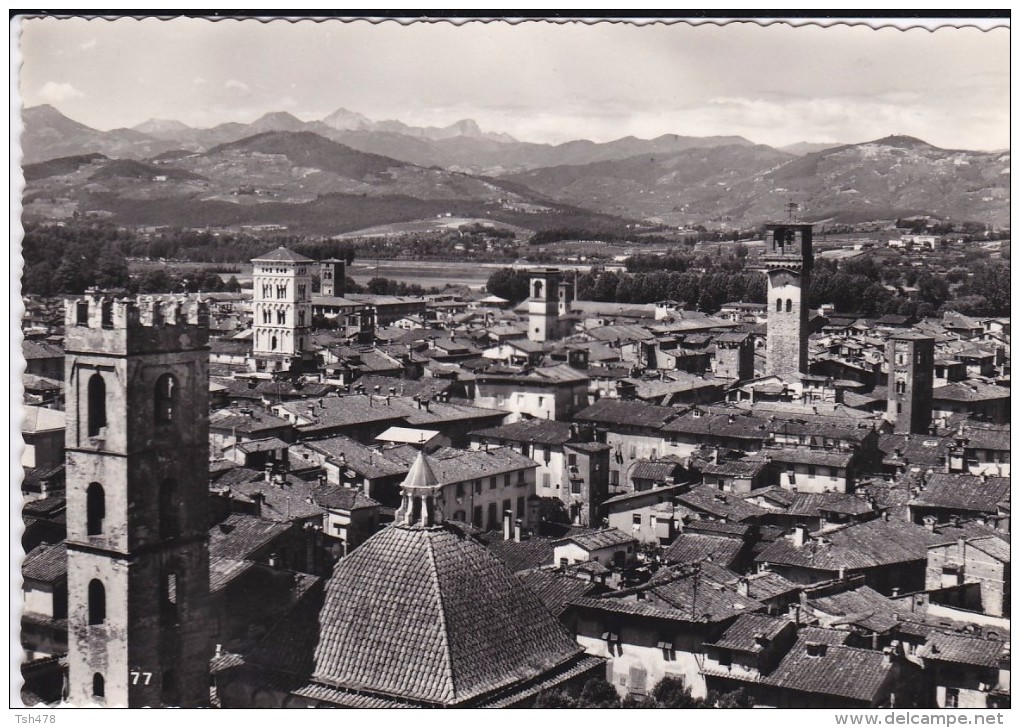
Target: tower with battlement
(137, 443)
(788, 260)
(281, 309)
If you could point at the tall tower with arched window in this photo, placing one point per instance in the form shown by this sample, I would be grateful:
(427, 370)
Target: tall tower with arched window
(543, 304)
(281, 309)
(137, 442)
(788, 259)
(910, 358)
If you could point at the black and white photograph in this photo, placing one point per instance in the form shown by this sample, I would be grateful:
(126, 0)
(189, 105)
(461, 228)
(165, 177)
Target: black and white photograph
(521, 362)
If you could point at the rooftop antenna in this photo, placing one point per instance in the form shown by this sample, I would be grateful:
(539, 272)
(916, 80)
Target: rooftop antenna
(791, 210)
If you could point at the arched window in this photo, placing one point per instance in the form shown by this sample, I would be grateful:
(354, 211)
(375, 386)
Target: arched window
(166, 398)
(97, 404)
(281, 317)
(901, 386)
(789, 305)
(779, 305)
(95, 509)
(272, 343)
(538, 289)
(169, 508)
(98, 686)
(97, 602)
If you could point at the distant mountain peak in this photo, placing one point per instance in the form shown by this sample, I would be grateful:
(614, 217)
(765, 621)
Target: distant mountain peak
(902, 141)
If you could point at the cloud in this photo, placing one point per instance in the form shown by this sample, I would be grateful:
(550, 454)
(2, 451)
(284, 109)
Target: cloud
(88, 45)
(236, 85)
(56, 92)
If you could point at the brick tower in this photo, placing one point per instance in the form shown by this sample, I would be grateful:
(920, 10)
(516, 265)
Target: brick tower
(332, 277)
(137, 379)
(911, 362)
(282, 309)
(543, 306)
(788, 260)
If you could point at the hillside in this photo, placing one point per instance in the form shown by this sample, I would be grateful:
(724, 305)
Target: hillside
(744, 185)
(297, 180)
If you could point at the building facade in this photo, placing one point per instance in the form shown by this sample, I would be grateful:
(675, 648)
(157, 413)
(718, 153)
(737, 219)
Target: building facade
(282, 309)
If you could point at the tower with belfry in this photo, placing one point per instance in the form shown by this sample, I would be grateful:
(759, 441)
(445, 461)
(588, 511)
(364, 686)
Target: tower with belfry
(137, 442)
(788, 259)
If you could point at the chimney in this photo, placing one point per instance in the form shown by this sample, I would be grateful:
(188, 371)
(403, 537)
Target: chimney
(269, 472)
(715, 455)
(518, 530)
(219, 650)
(929, 523)
(508, 517)
(743, 586)
(761, 640)
(321, 479)
(799, 536)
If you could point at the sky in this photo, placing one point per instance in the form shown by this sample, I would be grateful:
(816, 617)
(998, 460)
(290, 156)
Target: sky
(538, 81)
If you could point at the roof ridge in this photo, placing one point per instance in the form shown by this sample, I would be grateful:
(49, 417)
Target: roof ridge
(444, 634)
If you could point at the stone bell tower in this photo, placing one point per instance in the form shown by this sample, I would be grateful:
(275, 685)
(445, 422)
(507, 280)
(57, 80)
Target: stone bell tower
(137, 441)
(788, 261)
(543, 304)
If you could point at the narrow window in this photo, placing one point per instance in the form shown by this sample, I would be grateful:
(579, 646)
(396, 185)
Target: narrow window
(95, 509)
(106, 311)
(97, 602)
(789, 305)
(98, 686)
(272, 343)
(82, 313)
(97, 404)
(281, 317)
(166, 398)
(538, 289)
(779, 305)
(168, 605)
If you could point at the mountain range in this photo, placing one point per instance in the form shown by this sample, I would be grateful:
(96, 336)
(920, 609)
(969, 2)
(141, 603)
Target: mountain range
(163, 169)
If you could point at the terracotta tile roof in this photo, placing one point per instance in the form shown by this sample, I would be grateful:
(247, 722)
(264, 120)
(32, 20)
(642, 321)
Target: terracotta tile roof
(556, 589)
(767, 585)
(245, 424)
(707, 499)
(960, 491)
(860, 606)
(46, 563)
(430, 614)
(743, 468)
(241, 535)
(821, 635)
(611, 412)
(743, 634)
(692, 548)
(858, 546)
(803, 456)
(943, 647)
(339, 498)
(590, 664)
(688, 594)
(658, 470)
(33, 349)
(971, 391)
(546, 432)
(818, 504)
(599, 539)
(364, 460)
(282, 255)
(845, 672)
